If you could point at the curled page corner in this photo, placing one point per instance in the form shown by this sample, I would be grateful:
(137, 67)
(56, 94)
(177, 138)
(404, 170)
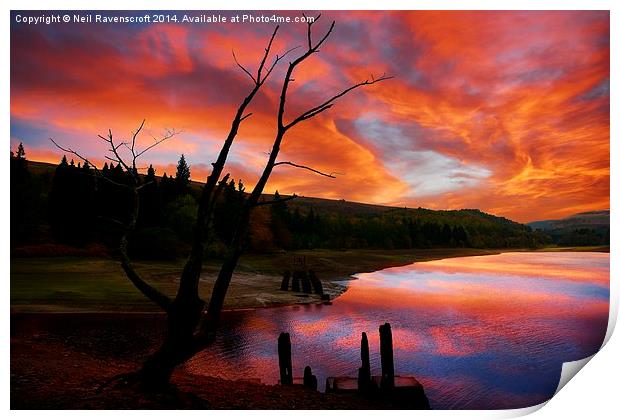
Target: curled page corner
(569, 370)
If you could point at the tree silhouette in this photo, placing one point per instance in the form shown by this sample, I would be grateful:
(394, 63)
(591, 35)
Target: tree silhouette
(189, 329)
(20, 195)
(182, 176)
(21, 153)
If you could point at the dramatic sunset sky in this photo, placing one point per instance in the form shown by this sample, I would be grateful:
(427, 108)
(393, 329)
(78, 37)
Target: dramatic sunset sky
(507, 112)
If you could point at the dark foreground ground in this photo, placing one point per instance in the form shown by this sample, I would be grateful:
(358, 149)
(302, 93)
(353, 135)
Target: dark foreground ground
(58, 361)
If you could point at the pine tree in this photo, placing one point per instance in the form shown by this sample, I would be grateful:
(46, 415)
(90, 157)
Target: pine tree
(21, 153)
(150, 174)
(182, 175)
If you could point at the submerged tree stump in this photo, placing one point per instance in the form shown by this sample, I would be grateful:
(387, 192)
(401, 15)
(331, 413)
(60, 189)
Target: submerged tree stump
(295, 284)
(284, 359)
(305, 283)
(363, 374)
(285, 280)
(387, 356)
(316, 283)
(310, 380)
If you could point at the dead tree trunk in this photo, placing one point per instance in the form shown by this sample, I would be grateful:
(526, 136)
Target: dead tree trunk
(387, 356)
(310, 380)
(285, 280)
(296, 280)
(285, 359)
(363, 376)
(223, 280)
(186, 311)
(316, 283)
(306, 286)
(188, 329)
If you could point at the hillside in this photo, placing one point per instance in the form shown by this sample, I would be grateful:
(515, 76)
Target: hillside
(302, 223)
(588, 228)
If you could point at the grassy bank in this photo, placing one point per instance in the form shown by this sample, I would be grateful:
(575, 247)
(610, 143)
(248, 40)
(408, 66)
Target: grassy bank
(94, 284)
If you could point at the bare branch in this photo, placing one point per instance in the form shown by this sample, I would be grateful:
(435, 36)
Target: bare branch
(216, 194)
(144, 185)
(243, 68)
(272, 202)
(262, 63)
(259, 79)
(147, 290)
(112, 159)
(133, 145)
(248, 115)
(329, 175)
(169, 134)
(97, 171)
(329, 103)
(114, 149)
(277, 60)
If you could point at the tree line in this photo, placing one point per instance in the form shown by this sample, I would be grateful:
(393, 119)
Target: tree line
(296, 227)
(81, 208)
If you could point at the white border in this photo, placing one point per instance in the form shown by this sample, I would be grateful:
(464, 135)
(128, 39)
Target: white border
(593, 394)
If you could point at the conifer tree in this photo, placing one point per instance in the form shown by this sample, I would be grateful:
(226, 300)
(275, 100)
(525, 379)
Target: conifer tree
(182, 175)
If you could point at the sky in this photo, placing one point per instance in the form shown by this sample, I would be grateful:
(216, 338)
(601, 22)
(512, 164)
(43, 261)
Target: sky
(504, 111)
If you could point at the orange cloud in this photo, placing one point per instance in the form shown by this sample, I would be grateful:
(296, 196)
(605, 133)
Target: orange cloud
(503, 111)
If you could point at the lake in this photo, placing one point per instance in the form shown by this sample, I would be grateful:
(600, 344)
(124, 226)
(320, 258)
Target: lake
(483, 332)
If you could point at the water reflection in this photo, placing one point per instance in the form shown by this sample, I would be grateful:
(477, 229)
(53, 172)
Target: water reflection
(478, 332)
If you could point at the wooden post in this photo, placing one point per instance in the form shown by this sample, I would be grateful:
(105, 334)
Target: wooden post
(305, 283)
(309, 379)
(316, 283)
(387, 356)
(285, 280)
(295, 284)
(363, 373)
(284, 359)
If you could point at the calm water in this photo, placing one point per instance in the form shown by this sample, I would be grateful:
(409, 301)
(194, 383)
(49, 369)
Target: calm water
(478, 332)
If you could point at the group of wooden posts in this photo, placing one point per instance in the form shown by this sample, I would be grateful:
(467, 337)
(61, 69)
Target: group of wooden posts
(402, 391)
(306, 279)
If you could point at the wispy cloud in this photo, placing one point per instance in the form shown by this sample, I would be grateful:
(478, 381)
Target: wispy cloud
(503, 111)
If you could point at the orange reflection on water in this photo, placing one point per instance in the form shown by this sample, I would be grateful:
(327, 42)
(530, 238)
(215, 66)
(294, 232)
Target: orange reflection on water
(535, 265)
(479, 332)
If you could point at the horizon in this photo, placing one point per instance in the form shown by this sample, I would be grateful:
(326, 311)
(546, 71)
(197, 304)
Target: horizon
(510, 110)
(201, 182)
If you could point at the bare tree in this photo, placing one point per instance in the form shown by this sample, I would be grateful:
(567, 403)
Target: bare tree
(189, 328)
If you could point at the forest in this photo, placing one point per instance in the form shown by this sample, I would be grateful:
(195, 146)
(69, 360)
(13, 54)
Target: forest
(70, 205)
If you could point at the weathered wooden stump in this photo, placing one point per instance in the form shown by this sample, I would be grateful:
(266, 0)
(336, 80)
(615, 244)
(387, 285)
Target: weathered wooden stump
(284, 359)
(387, 357)
(310, 380)
(316, 283)
(341, 385)
(305, 283)
(295, 282)
(363, 374)
(285, 280)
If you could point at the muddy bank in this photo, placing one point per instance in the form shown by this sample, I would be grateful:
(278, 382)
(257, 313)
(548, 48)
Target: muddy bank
(58, 361)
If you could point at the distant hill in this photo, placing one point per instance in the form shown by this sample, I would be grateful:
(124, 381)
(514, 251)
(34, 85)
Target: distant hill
(309, 222)
(587, 228)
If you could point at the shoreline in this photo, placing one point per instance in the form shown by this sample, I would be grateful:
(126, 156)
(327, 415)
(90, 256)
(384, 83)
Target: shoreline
(96, 285)
(59, 359)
